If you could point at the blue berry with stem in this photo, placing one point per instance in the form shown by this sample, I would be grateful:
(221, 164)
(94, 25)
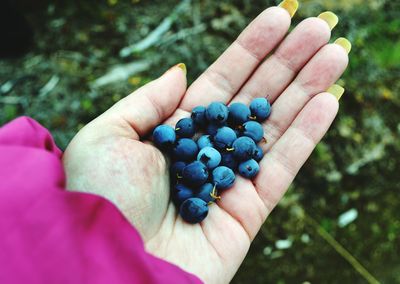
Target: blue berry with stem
(224, 137)
(254, 130)
(194, 210)
(185, 149)
(199, 115)
(164, 137)
(181, 193)
(207, 192)
(228, 160)
(185, 128)
(260, 109)
(176, 170)
(243, 148)
(223, 177)
(249, 169)
(217, 113)
(195, 174)
(258, 154)
(238, 113)
(205, 141)
(209, 157)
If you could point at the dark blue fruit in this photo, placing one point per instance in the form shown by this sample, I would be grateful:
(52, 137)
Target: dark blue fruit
(176, 169)
(199, 115)
(217, 113)
(212, 129)
(244, 148)
(249, 169)
(185, 149)
(228, 160)
(185, 127)
(195, 174)
(260, 109)
(164, 136)
(254, 130)
(224, 138)
(180, 193)
(193, 210)
(209, 157)
(258, 154)
(223, 177)
(206, 192)
(238, 113)
(204, 141)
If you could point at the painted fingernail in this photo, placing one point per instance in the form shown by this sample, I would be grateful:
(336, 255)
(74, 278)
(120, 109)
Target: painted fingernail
(290, 6)
(345, 43)
(182, 66)
(330, 18)
(336, 90)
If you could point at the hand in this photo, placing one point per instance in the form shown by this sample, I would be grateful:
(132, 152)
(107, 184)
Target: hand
(112, 157)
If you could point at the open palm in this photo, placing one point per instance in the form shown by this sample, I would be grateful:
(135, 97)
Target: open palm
(111, 156)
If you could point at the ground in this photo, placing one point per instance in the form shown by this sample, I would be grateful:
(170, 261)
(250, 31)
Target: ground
(354, 170)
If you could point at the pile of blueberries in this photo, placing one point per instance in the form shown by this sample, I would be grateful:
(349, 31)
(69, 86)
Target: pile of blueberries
(208, 148)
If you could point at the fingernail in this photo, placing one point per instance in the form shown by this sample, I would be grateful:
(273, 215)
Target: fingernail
(290, 6)
(182, 66)
(345, 43)
(336, 90)
(330, 18)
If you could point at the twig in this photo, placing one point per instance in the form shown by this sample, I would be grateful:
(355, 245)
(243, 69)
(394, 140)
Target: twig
(184, 33)
(11, 100)
(156, 34)
(50, 85)
(342, 251)
(121, 72)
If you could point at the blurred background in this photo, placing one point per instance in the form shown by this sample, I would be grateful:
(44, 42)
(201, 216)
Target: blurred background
(65, 62)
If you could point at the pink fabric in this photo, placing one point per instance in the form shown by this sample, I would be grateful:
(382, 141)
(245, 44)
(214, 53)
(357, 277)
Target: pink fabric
(49, 235)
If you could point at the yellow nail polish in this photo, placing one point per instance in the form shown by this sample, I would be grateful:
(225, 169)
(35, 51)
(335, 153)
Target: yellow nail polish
(290, 6)
(345, 43)
(330, 18)
(336, 90)
(183, 67)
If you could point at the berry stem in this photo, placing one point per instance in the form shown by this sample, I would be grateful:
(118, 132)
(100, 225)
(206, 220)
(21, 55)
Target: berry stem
(214, 195)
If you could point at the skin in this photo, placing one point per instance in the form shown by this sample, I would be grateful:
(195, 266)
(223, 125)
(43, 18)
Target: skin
(113, 157)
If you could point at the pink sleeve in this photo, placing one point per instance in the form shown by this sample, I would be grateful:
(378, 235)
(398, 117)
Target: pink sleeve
(49, 235)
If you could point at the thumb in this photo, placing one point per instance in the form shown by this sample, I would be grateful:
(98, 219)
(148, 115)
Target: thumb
(153, 103)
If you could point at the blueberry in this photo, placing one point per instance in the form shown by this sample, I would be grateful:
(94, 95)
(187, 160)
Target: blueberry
(212, 129)
(185, 128)
(176, 169)
(193, 210)
(249, 169)
(224, 137)
(209, 157)
(180, 193)
(217, 113)
(258, 154)
(164, 136)
(260, 109)
(185, 149)
(204, 141)
(238, 113)
(195, 174)
(244, 148)
(254, 130)
(199, 115)
(223, 177)
(206, 192)
(228, 160)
